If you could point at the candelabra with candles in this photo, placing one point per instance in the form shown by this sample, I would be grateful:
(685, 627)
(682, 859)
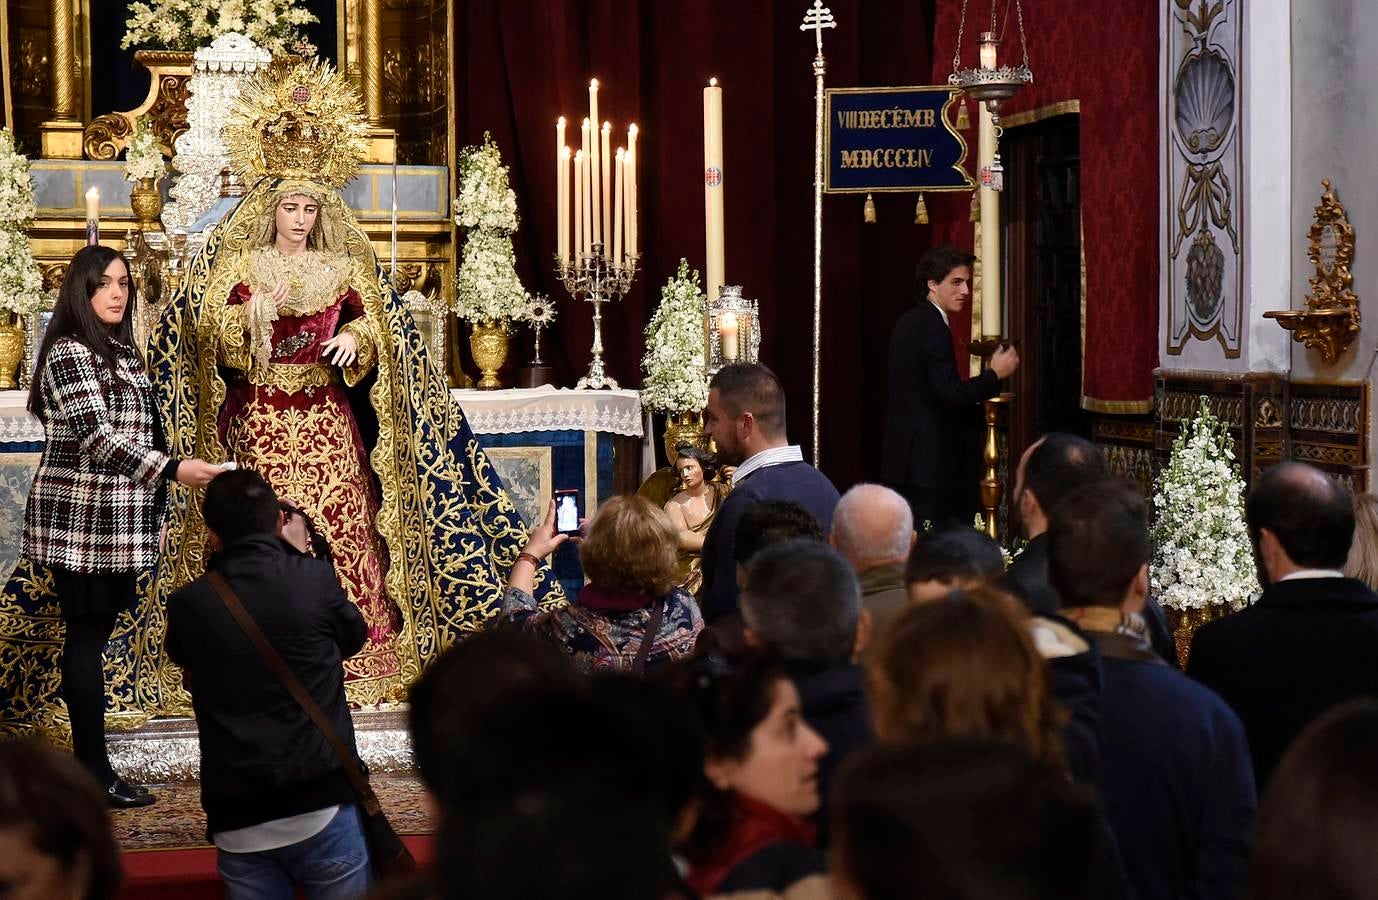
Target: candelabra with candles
(597, 280)
(596, 249)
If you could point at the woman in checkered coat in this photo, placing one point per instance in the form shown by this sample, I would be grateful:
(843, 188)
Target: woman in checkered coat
(95, 506)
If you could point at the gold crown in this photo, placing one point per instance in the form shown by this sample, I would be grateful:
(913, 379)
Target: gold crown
(303, 122)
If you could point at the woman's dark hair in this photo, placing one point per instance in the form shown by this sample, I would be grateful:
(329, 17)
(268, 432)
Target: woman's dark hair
(74, 318)
(707, 461)
(977, 820)
(58, 805)
(731, 702)
(1318, 820)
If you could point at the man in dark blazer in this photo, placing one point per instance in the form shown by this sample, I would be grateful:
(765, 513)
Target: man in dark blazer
(1311, 640)
(1174, 774)
(931, 434)
(279, 807)
(1054, 466)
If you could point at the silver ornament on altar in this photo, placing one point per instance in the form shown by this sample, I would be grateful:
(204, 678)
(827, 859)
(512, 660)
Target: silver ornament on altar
(742, 343)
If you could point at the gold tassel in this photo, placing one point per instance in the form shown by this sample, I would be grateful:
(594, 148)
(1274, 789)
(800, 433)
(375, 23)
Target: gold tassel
(868, 212)
(920, 211)
(963, 120)
(975, 206)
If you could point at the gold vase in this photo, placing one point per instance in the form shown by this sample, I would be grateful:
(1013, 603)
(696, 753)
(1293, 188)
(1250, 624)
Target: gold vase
(11, 352)
(147, 204)
(683, 427)
(488, 343)
(1186, 621)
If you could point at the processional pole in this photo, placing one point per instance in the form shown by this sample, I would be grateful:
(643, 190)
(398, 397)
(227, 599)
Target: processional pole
(817, 18)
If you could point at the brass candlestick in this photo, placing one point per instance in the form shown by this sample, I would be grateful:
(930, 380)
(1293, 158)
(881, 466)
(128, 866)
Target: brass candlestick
(991, 486)
(598, 280)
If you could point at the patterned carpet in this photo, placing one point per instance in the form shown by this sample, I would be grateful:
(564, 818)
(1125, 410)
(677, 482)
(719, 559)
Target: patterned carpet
(177, 822)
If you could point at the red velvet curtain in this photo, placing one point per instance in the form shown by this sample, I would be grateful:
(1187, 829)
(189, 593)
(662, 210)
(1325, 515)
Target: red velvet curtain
(519, 64)
(1105, 56)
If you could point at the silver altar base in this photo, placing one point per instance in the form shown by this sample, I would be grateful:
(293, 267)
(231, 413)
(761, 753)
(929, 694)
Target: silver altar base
(165, 751)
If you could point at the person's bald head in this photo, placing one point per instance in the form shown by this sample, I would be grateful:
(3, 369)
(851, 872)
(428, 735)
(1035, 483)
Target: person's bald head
(1299, 518)
(872, 526)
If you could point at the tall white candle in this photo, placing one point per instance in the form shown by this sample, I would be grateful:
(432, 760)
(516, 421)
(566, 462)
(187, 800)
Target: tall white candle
(562, 217)
(93, 216)
(578, 205)
(592, 155)
(589, 206)
(617, 208)
(561, 190)
(630, 167)
(713, 186)
(605, 182)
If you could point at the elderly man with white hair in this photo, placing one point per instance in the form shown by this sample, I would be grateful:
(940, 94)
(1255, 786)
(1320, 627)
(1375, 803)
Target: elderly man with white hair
(873, 529)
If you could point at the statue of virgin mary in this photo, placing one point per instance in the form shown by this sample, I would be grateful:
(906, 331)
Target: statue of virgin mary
(288, 351)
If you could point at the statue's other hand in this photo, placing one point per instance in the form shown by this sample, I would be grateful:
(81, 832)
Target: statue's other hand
(341, 350)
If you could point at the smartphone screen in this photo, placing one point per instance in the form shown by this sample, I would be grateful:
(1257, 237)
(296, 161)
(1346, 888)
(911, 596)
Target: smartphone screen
(567, 511)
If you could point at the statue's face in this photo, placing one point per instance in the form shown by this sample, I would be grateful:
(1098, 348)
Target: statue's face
(690, 472)
(296, 216)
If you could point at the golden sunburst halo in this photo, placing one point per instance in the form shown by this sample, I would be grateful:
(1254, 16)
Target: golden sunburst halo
(304, 121)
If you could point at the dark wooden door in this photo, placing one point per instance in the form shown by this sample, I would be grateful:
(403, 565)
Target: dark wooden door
(1041, 209)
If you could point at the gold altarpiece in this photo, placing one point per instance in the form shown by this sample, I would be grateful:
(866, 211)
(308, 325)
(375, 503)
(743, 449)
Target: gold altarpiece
(396, 50)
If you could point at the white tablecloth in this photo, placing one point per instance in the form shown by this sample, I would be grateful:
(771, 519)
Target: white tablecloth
(552, 409)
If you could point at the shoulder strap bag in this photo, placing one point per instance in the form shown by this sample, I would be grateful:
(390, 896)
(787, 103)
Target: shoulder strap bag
(388, 855)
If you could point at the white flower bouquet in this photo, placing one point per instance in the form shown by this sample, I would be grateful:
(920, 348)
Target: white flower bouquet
(485, 198)
(487, 288)
(21, 286)
(16, 187)
(142, 157)
(1202, 555)
(676, 371)
(274, 25)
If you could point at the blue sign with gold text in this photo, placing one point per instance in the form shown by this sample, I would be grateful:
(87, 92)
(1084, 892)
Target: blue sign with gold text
(893, 139)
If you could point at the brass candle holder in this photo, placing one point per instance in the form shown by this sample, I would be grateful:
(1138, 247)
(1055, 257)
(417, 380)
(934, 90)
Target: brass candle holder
(991, 486)
(598, 280)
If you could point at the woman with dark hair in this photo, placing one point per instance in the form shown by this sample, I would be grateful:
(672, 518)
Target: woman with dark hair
(55, 838)
(1318, 822)
(693, 508)
(761, 771)
(96, 502)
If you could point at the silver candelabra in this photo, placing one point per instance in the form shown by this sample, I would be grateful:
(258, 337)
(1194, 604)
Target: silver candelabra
(598, 280)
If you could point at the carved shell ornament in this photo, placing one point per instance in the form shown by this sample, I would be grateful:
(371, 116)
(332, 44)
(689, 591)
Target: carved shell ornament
(1204, 101)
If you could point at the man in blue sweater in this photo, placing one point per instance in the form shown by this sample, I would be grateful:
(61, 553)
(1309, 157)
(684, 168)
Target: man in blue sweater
(1175, 773)
(746, 418)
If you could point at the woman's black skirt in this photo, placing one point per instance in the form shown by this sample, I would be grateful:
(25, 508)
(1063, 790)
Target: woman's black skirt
(88, 593)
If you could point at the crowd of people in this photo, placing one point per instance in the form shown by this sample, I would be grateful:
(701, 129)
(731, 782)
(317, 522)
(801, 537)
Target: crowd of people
(855, 704)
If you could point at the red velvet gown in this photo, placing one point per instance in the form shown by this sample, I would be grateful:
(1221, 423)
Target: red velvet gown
(298, 431)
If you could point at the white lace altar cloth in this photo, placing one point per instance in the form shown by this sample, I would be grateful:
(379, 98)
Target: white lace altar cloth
(552, 409)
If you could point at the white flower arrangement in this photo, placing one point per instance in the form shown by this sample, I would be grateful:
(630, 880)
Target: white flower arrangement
(142, 157)
(487, 288)
(21, 286)
(16, 187)
(274, 25)
(676, 371)
(485, 198)
(1202, 554)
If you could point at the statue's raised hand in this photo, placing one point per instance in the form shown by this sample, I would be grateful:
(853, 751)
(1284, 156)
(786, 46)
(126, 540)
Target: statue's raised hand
(277, 297)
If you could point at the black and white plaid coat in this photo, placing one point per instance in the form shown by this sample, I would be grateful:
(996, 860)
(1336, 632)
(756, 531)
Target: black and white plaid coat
(94, 504)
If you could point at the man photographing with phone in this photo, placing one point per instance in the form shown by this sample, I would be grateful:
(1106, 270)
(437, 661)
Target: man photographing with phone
(933, 430)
